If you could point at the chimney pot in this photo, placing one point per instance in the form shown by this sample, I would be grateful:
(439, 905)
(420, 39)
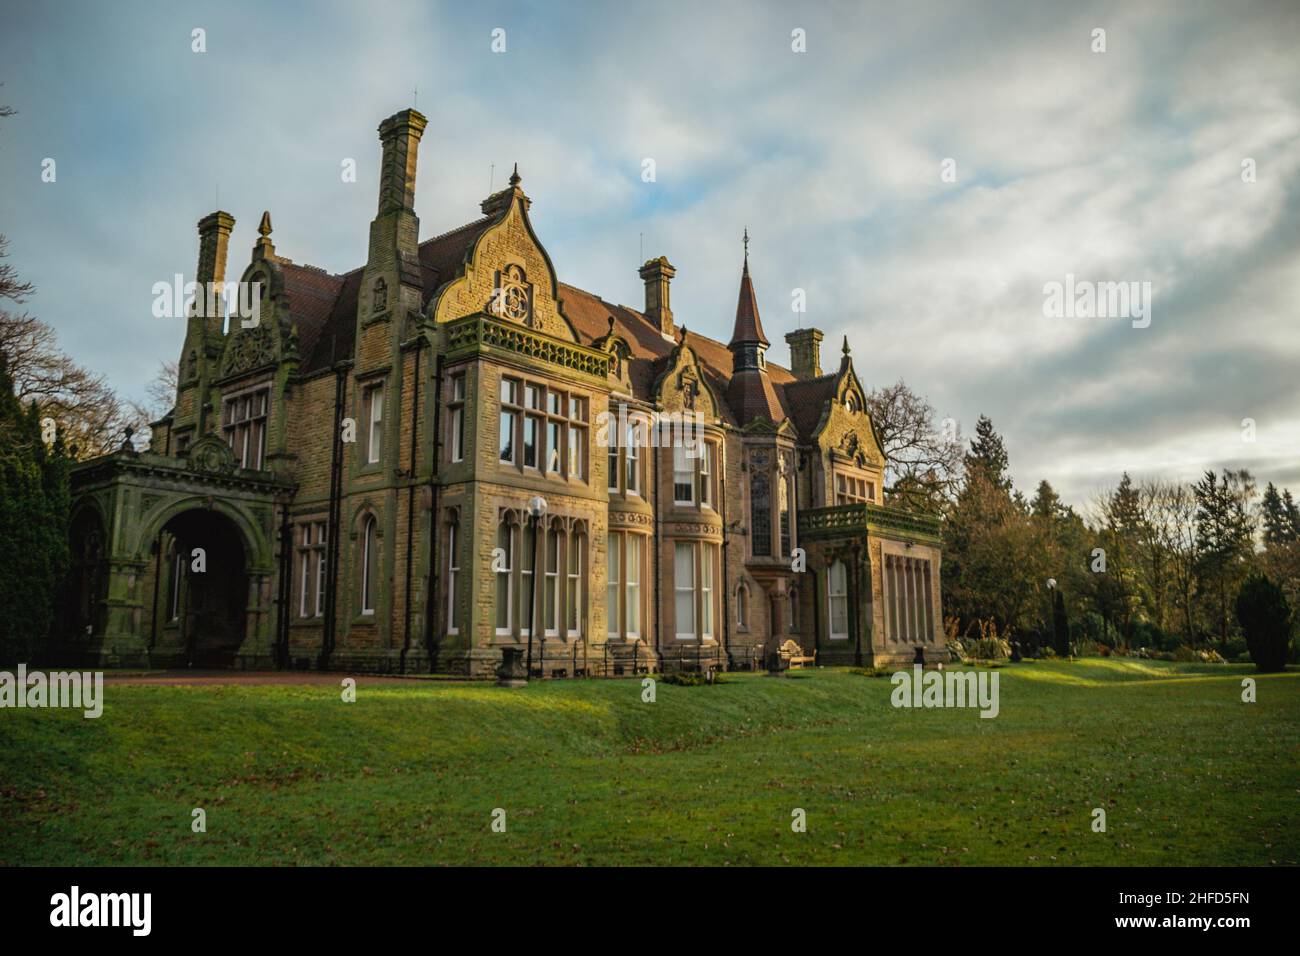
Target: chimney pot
(400, 135)
(657, 275)
(214, 240)
(805, 353)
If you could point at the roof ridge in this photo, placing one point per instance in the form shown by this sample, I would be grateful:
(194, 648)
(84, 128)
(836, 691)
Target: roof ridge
(451, 232)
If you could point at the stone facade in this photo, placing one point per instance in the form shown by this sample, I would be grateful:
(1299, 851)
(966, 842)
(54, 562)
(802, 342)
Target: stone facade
(449, 452)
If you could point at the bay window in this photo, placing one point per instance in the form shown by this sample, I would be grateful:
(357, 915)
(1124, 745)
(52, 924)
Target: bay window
(694, 588)
(543, 429)
(623, 588)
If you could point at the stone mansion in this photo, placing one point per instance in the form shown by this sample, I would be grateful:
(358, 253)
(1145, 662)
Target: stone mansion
(444, 453)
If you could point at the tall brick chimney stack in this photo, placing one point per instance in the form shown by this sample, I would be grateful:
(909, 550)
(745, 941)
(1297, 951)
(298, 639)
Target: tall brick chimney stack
(214, 241)
(400, 135)
(805, 353)
(657, 274)
(204, 330)
(392, 284)
(205, 323)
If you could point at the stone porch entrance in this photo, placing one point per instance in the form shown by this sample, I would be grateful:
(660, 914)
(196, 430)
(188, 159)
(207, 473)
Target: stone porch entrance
(140, 595)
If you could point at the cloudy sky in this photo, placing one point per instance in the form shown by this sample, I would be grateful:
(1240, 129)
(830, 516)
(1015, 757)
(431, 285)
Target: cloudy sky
(1123, 165)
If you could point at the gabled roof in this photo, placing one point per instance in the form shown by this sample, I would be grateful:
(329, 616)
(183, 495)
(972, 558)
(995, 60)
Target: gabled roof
(324, 309)
(324, 306)
(807, 401)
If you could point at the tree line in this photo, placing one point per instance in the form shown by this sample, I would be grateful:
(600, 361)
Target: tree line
(1155, 564)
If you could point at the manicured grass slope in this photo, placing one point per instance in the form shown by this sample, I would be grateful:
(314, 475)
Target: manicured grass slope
(587, 773)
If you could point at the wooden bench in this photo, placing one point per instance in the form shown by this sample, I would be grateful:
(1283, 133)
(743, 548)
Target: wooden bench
(793, 653)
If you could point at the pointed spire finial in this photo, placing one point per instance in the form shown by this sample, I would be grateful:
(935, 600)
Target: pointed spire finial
(845, 349)
(683, 341)
(514, 177)
(746, 242)
(264, 228)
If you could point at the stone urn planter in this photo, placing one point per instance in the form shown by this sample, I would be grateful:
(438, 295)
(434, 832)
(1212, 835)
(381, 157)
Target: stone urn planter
(511, 671)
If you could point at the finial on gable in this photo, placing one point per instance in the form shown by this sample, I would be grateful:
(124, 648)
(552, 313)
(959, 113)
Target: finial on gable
(264, 247)
(514, 177)
(845, 349)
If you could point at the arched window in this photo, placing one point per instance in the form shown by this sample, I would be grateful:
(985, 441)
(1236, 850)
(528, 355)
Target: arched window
(551, 581)
(503, 563)
(794, 609)
(783, 513)
(453, 572)
(742, 606)
(369, 564)
(573, 589)
(837, 596)
(527, 559)
(760, 512)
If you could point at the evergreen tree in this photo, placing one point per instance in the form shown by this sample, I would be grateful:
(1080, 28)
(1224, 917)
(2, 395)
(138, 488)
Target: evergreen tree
(1046, 503)
(1279, 516)
(1224, 538)
(33, 527)
(988, 455)
(1265, 619)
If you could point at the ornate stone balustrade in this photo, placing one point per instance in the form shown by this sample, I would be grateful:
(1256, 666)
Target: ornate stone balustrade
(482, 332)
(863, 518)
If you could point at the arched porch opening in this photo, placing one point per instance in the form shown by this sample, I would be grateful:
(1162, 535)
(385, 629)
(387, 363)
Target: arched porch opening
(204, 587)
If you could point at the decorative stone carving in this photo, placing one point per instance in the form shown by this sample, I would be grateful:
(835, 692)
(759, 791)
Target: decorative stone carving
(249, 349)
(212, 455)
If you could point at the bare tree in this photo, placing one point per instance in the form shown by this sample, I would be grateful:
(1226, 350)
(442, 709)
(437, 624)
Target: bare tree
(923, 458)
(90, 414)
(160, 397)
(11, 287)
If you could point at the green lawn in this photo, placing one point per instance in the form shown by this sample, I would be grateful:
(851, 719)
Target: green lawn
(588, 774)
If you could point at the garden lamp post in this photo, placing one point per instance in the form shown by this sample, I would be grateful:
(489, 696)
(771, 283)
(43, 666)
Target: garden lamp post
(537, 510)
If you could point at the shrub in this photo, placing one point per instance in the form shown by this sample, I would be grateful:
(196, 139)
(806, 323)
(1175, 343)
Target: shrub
(871, 671)
(986, 644)
(1147, 634)
(689, 678)
(1186, 654)
(1235, 647)
(1265, 617)
(1087, 647)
